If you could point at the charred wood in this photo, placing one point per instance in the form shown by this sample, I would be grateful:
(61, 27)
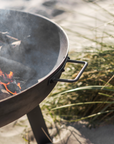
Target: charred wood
(21, 71)
(4, 94)
(4, 37)
(13, 87)
(15, 49)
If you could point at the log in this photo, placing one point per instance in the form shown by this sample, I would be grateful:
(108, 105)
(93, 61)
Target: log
(16, 44)
(4, 37)
(12, 48)
(13, 51)
(13, 87)
(21, 71)
(17, 51)
(4, 94)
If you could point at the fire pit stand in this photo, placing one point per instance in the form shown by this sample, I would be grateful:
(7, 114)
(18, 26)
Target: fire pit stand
(38, 126)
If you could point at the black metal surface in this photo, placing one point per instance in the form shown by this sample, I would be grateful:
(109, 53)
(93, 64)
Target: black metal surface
(38, 126)
(77, 77)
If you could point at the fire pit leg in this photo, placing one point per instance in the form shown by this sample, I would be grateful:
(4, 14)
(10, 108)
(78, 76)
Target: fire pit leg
(38, 125)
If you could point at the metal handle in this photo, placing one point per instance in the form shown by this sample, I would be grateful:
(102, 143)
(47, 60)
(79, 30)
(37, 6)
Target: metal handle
(79, 74)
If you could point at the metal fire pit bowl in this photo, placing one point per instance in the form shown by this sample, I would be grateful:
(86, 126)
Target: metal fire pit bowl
(47, 56)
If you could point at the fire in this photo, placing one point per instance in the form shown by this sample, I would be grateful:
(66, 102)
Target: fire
(18, 84)
(7, 80)
(2, 74)
(5, 85)
(10, 75)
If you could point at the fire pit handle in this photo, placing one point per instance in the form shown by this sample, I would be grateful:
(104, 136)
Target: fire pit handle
(79, 74)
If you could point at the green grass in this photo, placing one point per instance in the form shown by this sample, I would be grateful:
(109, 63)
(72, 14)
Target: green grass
(92, 97)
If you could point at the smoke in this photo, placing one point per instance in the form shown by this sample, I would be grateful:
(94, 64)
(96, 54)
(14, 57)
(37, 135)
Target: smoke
(16, 44)
(37, 46)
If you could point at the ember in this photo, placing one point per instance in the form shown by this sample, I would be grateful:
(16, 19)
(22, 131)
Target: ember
(10, 75)
(9, 83)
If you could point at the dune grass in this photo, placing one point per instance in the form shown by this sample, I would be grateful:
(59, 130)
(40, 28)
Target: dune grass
(92, 97)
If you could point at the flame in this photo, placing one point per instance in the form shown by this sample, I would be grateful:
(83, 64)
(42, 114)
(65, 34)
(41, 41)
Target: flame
(8, 78)
(5, 85)
(18, 84)
(10, 75)
(1, 73)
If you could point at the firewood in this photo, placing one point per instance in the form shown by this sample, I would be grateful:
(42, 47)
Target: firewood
(12, 48)
(23, 72)
(13, 87)
(17, 51)
(4, 91)
(4, 37)
(15, 44)
(4, 94)
(14, 51)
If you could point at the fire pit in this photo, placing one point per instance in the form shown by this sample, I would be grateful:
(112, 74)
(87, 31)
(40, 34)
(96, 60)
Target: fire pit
(33, 54)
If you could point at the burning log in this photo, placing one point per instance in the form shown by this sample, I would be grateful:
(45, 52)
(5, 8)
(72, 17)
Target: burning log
(4, 94)
(21, 71)
(13, 56)
(13, 88)
(7, 83)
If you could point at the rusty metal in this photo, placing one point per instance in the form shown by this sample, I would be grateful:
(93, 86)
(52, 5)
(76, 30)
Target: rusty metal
(47, 56)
